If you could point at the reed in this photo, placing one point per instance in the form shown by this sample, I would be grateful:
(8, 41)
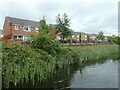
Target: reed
(96, 52)
(23, 64)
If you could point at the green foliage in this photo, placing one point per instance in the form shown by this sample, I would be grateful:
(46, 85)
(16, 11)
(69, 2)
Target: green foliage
(45, 41)
(63, 24)
(67, 56)
(21, 64)
(43, 26)
(114, 39)
(80, 36)
(45, 56)
(96, 52)
(24, 64)
(100, 36)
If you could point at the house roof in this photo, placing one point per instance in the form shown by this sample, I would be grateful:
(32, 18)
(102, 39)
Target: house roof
(52, 25)
(76, 33)
(23, 22)
(92, 34)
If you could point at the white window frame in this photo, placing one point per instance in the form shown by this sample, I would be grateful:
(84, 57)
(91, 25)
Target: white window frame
(16, 27)
(25, 38)
(29, 29)
(37, 29)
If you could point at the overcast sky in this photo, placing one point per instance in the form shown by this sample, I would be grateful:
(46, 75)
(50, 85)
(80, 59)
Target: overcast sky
(89, 16)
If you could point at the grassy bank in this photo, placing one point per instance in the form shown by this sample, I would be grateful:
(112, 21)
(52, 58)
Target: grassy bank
(24, 64)
(96, 52)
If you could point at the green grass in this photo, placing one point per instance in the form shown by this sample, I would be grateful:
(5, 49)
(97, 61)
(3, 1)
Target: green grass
(96, 52)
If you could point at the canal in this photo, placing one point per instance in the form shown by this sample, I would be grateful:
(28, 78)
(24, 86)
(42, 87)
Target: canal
(102, 73)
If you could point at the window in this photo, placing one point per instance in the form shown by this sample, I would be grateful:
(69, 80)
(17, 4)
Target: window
(25, 38)
(37, 29)
(20, 37)
(78, 36)
(15, 37)
(16, 27)
(26, 28)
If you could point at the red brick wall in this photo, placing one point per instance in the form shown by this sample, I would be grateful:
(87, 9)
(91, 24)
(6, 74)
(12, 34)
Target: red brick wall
(52, 30)
(11, 29)
(6, 27)
(21, 30)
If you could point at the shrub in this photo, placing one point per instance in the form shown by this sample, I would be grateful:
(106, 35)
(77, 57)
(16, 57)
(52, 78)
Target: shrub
(21, 64)
(45, 41)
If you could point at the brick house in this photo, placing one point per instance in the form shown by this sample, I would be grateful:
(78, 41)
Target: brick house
(15, 28)
(19, 29)
(75, 37)
(92, 38)
(52, 30)
(85, 37)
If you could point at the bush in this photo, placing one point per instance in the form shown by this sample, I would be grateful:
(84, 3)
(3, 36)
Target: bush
(45, 41)
(66, 56)
(21, 64)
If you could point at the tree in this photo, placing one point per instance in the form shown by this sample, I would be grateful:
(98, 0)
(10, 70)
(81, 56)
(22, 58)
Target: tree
(88, 38)
(63, 24)
(114, 39)
(80, 37)
(43, 25)
(100, 36)
(44, 40)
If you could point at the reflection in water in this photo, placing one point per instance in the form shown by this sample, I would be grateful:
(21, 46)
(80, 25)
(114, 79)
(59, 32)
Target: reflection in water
(97, 74)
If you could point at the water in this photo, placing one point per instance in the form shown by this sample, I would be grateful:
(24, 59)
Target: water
(96, 74)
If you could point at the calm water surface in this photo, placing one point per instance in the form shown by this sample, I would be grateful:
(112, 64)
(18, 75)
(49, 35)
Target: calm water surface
(97, 76)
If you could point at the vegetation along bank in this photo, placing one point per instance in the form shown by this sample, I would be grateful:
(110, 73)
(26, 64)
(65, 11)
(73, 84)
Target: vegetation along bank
(24, 64)
(45, 55)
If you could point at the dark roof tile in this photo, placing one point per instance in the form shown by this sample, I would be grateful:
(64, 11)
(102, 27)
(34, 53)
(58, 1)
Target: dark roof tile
(23, 22)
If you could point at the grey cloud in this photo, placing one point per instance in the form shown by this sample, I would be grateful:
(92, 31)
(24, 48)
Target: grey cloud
(91, 17)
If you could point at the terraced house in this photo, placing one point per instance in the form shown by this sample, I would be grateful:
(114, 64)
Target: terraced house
(16, 28)
(85, 37)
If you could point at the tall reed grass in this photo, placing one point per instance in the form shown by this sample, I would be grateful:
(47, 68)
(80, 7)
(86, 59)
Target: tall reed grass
(96, 52)
(23, 64)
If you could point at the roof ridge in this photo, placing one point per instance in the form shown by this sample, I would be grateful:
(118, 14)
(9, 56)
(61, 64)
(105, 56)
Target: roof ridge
(21, 19)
